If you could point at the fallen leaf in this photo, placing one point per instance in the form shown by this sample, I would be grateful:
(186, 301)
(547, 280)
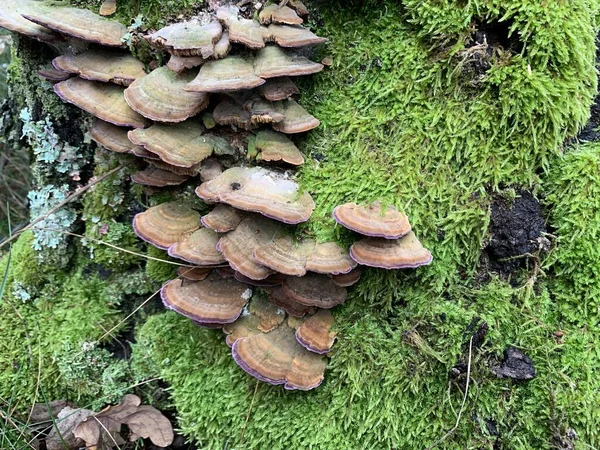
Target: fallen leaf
(149, 422)
(66, 422)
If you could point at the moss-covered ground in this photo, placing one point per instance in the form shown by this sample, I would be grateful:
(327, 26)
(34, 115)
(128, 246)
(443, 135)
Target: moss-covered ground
(415, 114)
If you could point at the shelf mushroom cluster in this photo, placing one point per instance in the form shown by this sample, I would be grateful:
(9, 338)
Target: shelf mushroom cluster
(224, 104)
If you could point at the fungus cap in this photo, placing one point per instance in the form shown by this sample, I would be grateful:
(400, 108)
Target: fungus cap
(180, 63)
(277, 89)
(108, 7)
(53, 75)
(102, 100)
(372, 220)
(243, 31)
(347, 279)
(199, 248)
(223, 218)
(279, 14)
(189, 171)
(79, 23)
(297, 119)
(291, 306)
(214, 300)
(229, 74)
(153, 176)
(272, 62)
(238, 246)
(228, 112)
(300, 8)
(285, 256)
(274, 146)
(166, 224)
(110, 136)
(277, 358)
(275, 279)
(11, 18)
(315, 333)
(141, 152)
(192, 273)
(102, 65)
(262, 110)
(314, 290)
(262, 317)
(259, 190)
(188, 38)
(403, 253)
(181, 144)
(160, 96)
(293, 36)
(330, 258)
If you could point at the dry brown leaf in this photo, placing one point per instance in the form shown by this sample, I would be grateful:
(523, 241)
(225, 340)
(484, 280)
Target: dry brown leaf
(127, 407)
(89, 431)
(66, 422)
(149, 422)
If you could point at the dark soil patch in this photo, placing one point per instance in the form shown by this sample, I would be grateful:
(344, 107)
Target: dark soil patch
(515, 230)
(590, 132)
(516, 365)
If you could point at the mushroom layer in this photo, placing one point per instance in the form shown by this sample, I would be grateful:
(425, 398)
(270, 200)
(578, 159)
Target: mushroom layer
(403, 253)
(372, 220)
(166, 224)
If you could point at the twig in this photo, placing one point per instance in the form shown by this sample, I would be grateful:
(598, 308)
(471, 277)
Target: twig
(462, 406)
(249, 412)
(71, 197)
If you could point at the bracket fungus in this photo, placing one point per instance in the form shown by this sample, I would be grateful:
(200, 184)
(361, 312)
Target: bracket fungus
(11, 18)
(180, 63)
(277, 358)
(108, 7)
(223, 218)
(272, 62)
(155, 177)
(372, 220)
(103, 100)
(242, 31)
(181, 144)
(277, 89)
(199, 248)
(191, 38)
(102, 65)
(278, 296)
(315, 333)
(406, 252)
(293, 36)
(229, 74)
(330, 258)
(259, 190)
(262, 316)
(192, 273)
(166, 224)
(299, 7)
(347, 279)
(160, 96)
(79, 23)
(54, 76)
(110, 136)
(314, 290)
(296, 118)
(238, 246)
(214, 300)
(228, 112)
(279, 14)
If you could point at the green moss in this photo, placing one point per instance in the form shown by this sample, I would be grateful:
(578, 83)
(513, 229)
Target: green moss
(158, 270)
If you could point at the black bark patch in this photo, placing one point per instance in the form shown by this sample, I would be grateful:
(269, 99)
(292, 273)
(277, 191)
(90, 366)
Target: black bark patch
(514, 231)
(516, 365)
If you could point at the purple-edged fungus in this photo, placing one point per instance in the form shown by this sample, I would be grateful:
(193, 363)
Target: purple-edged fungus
(188, 171)
(199, 248)
(102, 65)
(372, 220)
(223, 218)
(404, 253)
(222, 46)
(229, 74)
(102, 100)
(315, 333)
(330, 258)
(79, 23)
(272, 62)
(279, 14)
(108, 7)
(155, 177)
(188, 38)
(243, 31)
(293, 36)
(277, 89)
(229, 112)
(300, 8)
(259, 190)
(297, 119)
(285, 256)
(160, 96)
(262, 316)
(347, 279)
(314, 290)
(141, 152)
(238, 245)
(214, 300)
(192, 273)
(277, 358)
(181, 144)
(262, 110)
(53, 75)
(225, 272)
(272, 280)
(210, 169)
(166, 224)
(291, 306)
(274, 146)
(180, 63)
(110, 136)
(11, 19)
